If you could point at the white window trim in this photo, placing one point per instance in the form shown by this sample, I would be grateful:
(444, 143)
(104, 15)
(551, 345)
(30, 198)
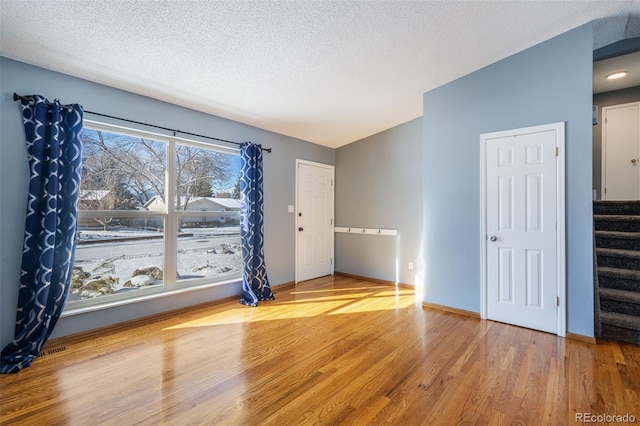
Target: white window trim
(114, 303)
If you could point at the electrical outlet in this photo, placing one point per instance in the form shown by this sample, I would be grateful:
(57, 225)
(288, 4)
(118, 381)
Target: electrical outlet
(411, 266)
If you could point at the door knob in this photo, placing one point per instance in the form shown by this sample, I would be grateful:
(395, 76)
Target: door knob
(300, 229)
(493, 238)
(633, 161)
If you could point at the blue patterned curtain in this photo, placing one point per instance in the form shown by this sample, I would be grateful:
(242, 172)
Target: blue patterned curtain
(54, 151)
(255, 285)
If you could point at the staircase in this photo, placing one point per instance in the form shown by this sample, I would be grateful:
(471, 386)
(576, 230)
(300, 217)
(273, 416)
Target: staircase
(617, 239)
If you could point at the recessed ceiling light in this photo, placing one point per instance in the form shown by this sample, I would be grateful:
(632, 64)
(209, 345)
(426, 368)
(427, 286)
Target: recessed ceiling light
(616, 75)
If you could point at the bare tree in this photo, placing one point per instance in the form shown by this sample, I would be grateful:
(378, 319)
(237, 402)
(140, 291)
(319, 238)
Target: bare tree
(196, 168)
(133, 170)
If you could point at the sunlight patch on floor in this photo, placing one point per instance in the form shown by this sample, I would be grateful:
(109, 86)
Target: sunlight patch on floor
(396, 292)
(323, 305)
(264, 312)
(331, 290)
(327, 298)
(361, 306)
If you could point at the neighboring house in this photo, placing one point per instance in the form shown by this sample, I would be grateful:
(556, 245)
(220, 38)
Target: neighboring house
(203, 204)
(93, 199)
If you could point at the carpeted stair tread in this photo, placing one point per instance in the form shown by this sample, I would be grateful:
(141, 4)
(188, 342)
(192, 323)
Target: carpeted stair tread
(616, 218)
(617, 223)
(628, 274)
(618, 234)
(618, 239)
(620, 320)
(616, 207)
(633, 254)
(620, 295)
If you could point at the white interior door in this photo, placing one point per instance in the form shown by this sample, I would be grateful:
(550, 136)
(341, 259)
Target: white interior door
(620, 152)
(314, 220)
(521, 244)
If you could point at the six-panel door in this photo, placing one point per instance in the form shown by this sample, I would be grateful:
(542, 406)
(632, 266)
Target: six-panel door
(521, 227)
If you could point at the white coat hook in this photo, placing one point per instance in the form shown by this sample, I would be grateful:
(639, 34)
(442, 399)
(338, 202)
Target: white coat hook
(365, 231)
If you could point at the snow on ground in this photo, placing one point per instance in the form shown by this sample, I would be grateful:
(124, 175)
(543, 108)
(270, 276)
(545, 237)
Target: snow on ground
(213, 253)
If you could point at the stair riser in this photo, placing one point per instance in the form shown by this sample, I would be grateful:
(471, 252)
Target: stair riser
(617, 225)
(629, 308)
(618, 262)
(618, 243)
(626, 208)
(619, 283)
(621, 334)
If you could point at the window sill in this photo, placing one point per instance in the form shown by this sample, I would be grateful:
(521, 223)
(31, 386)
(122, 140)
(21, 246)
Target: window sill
(144, 298)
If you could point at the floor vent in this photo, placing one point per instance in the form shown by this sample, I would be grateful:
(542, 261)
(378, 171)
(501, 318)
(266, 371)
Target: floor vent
(53, 351)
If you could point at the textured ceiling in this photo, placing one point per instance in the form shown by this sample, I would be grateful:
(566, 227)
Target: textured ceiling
(329, 72)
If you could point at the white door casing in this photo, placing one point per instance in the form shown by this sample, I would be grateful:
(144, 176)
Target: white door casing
(522, 221)
(621, 152)
(314, 220)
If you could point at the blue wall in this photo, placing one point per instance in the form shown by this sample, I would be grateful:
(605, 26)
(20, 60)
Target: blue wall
(279, 183)
(379, 185)
(547, 83)
(550, 82)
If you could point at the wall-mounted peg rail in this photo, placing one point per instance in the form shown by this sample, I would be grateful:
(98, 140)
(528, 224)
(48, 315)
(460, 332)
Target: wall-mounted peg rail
(365, 231)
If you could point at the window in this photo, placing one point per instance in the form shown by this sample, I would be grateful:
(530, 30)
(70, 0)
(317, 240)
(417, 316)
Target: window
(130, 241)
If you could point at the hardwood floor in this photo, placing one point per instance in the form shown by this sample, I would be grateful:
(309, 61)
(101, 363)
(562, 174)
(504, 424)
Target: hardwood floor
(335, 350)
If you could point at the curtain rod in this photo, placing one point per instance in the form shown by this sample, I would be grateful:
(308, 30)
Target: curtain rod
(17, 97)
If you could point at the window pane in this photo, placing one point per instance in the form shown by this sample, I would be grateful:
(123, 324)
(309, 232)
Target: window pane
(209, 247)
(120, 172)
(125, 256)
(209, 243)
(202, 173)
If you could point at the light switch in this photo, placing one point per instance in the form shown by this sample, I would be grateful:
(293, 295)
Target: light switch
(290, 209)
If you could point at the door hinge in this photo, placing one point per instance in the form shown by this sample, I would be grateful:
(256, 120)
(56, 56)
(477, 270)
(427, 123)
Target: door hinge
(331, 261)
(557, 151)
(605, 190)
(557, 300)
(331, 221)
(605, 120)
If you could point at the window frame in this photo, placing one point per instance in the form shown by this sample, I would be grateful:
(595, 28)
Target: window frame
(171, 284)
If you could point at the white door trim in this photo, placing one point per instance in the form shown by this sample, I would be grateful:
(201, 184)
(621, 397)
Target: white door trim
(297, 206)
(559, 129)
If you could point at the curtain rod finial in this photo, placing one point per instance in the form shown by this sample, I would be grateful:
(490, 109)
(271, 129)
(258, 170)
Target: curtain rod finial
(15, 96)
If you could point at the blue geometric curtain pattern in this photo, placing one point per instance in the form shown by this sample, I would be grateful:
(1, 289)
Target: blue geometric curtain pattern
(54, 150)
(255, 285)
